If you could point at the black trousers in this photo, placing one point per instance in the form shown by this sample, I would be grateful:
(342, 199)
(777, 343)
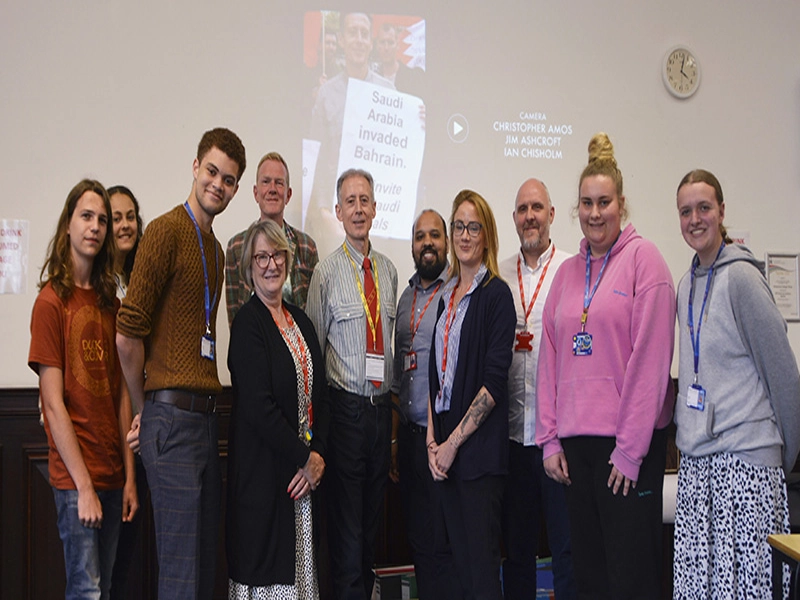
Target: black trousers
(530, 495)
(359, 450)
(129, 535)
(433, 561)
(472, 514)
(616, 539)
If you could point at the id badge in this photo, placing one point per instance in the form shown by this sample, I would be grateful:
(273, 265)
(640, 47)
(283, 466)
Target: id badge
(207, 347)
(524, 339)
(410, 361)
(696, 397)
(582, 344)
(374, 367)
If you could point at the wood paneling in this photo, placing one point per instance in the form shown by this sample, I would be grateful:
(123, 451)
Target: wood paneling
(31, 555)
(31, 558)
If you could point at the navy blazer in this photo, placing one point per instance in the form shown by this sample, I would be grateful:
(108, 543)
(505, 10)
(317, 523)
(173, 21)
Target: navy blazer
(484, 358)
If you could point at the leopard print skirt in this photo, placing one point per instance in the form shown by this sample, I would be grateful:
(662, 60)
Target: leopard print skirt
(724, 512)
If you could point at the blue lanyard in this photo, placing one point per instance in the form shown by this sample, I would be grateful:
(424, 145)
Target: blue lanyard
(588, 297)
(696, 341)
(205, 267)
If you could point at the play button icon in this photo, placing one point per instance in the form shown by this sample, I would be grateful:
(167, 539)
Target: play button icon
(458, 128)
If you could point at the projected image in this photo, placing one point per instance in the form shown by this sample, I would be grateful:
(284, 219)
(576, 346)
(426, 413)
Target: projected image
(366, 76)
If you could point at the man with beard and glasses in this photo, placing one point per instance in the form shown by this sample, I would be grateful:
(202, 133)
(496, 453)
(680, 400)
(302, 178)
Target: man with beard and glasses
(414, 326)
(529, 491)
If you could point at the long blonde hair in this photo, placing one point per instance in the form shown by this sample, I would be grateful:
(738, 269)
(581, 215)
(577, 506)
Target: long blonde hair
(486, 218)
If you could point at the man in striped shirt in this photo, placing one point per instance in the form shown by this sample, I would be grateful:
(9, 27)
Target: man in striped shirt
(351, 301)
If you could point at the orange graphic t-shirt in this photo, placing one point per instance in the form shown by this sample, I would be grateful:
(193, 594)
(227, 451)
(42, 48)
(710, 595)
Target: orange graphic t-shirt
(77, 337)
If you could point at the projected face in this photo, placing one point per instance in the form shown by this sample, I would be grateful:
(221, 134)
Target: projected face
(356, 40)
(330, 46)
(533, 215)
(356, 209)
(272, 191)
(386, 44)
(600, 212)
(429, 248)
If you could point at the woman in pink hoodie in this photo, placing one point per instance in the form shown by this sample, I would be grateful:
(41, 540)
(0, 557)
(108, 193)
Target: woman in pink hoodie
(604, 393)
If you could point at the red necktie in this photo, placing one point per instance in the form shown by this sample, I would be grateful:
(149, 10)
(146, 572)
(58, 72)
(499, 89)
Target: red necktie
(373, 346)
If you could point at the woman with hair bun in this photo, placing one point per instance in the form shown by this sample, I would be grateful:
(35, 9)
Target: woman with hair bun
(737, 411)
(604, 393)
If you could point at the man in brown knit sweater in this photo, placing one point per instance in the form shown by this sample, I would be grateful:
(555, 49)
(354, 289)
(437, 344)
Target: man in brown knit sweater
(166, 331)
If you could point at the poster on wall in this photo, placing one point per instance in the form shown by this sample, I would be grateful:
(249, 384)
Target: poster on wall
(784, 281)
(13, 256)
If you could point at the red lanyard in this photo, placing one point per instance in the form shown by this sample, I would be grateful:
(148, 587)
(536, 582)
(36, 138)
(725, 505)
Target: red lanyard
(448, 323)
(529, 308)
(301, 350)
(414, 328)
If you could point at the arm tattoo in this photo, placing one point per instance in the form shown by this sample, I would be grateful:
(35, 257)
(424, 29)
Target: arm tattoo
(479, 409)
(477, 413)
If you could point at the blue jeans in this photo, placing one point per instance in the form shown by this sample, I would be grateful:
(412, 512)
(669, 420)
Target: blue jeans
(88, 553)
(180, 454)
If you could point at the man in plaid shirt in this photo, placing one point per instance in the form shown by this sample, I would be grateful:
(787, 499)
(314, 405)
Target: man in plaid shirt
(272, 193)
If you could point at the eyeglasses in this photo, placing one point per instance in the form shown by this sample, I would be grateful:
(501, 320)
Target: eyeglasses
(473, 228)
(262, 260)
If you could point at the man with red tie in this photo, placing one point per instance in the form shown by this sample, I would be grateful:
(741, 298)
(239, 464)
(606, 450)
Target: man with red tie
(351, 301)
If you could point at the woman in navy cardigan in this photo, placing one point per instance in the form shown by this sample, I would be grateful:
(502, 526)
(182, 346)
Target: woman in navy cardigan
(468, 410)
(278, 430)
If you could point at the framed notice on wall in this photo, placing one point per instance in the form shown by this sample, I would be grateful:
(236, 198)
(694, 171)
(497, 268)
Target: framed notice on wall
(784, 281)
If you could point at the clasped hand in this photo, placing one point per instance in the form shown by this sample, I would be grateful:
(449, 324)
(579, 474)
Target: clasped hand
(307, 477)
(440, 458)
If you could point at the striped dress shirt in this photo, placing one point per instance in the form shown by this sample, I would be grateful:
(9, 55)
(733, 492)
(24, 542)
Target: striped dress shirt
(337, 311)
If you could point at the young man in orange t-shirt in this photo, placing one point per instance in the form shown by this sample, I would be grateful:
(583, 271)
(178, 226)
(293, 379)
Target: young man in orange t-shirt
(85, 406)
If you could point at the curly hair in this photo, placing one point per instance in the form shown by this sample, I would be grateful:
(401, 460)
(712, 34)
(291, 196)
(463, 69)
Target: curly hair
(226, 141)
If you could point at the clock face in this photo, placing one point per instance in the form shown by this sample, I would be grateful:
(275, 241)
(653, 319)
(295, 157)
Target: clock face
(681, 72)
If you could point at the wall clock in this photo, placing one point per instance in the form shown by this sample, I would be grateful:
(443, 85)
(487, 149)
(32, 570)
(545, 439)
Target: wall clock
(681, 72)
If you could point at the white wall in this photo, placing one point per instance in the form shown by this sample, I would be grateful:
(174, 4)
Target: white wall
(122, 92)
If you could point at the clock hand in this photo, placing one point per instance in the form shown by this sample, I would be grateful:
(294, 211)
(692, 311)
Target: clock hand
(683, 63)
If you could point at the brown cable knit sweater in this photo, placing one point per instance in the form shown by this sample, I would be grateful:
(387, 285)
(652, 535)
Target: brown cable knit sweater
(165, 304)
